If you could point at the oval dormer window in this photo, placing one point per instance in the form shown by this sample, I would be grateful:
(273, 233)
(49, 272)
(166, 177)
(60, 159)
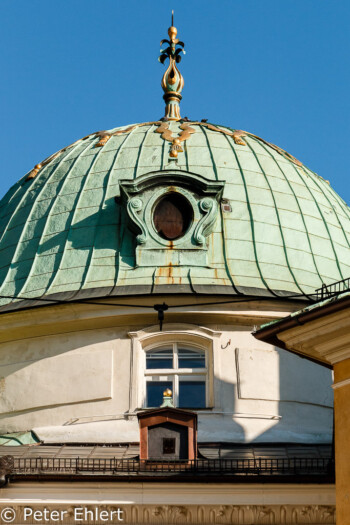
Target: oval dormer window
(172, 216)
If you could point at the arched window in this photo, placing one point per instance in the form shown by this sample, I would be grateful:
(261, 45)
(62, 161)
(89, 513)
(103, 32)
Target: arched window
(181, 358)
(180, 367)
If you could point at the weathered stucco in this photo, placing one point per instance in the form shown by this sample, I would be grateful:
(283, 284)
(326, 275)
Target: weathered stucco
(84, 383)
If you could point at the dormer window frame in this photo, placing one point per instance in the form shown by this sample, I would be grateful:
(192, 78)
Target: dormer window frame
(139, 199)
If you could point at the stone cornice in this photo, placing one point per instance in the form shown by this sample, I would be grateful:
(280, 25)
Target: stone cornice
(154, 493)
(324, 338)
(65, 318)
(320, 333)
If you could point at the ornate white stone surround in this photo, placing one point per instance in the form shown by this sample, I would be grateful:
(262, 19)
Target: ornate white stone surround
(166, 504)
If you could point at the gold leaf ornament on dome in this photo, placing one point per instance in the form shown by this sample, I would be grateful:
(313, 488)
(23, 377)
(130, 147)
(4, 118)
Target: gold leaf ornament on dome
(34, 171)
(103, 140)
(167, 134)
(172, 84)
(187, 130)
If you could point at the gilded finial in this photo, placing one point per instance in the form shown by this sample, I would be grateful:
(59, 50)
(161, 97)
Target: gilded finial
(167, 393)
(172, 81)
(167, 399)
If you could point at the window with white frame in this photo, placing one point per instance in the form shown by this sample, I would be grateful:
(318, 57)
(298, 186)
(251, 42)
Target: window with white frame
(180, 367)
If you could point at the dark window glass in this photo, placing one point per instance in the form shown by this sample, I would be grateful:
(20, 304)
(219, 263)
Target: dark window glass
(154, 392)
(168, 445)
(159, 359)
(191, 358)
(172, 216)
(192, 394)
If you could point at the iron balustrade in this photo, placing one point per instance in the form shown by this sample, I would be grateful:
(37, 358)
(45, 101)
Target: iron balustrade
(330, 290)
(115, 466)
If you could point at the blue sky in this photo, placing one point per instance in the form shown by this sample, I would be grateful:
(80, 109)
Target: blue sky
(277, 68)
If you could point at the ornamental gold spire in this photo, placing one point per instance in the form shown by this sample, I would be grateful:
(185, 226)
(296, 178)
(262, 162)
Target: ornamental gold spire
(172, 81)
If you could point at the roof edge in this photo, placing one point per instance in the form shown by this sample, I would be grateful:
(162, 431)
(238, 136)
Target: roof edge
(269, 332)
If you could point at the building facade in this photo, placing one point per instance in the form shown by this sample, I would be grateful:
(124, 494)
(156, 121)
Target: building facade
(321, 332)
(139, 260)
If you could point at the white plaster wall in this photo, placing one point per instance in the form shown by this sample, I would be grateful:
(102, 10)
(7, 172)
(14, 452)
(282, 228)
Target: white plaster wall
(52, 379)
(284, 397)
(76, 387)
(47, 382)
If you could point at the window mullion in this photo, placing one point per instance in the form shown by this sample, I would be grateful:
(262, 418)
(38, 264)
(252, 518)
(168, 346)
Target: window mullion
(176, 357)
(176, 388)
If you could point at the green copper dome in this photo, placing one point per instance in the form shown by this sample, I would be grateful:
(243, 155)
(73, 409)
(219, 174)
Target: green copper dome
(82, 224)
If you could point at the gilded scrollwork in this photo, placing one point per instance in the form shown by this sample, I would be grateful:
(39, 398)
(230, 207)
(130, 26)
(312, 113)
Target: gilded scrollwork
(162, 127)
(103, 140)
(167, 134)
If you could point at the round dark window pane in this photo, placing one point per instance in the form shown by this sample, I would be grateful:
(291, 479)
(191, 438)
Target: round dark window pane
(172, 216)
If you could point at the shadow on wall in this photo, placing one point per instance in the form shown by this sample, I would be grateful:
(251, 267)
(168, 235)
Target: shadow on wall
(57, 370)
(219, 424)
(302, 390)
(75, 368)
(312, 414)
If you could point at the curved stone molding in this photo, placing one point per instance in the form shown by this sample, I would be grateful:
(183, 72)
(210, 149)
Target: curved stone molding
(140, 197)
(186, 179)
(134, 206)
(205, 226)
(197, 514)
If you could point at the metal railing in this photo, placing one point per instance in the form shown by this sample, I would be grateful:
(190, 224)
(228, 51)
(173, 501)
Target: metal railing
(115, 466)
(330, 290)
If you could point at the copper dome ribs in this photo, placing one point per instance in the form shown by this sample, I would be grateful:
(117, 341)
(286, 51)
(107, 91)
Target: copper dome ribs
(167, 134)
